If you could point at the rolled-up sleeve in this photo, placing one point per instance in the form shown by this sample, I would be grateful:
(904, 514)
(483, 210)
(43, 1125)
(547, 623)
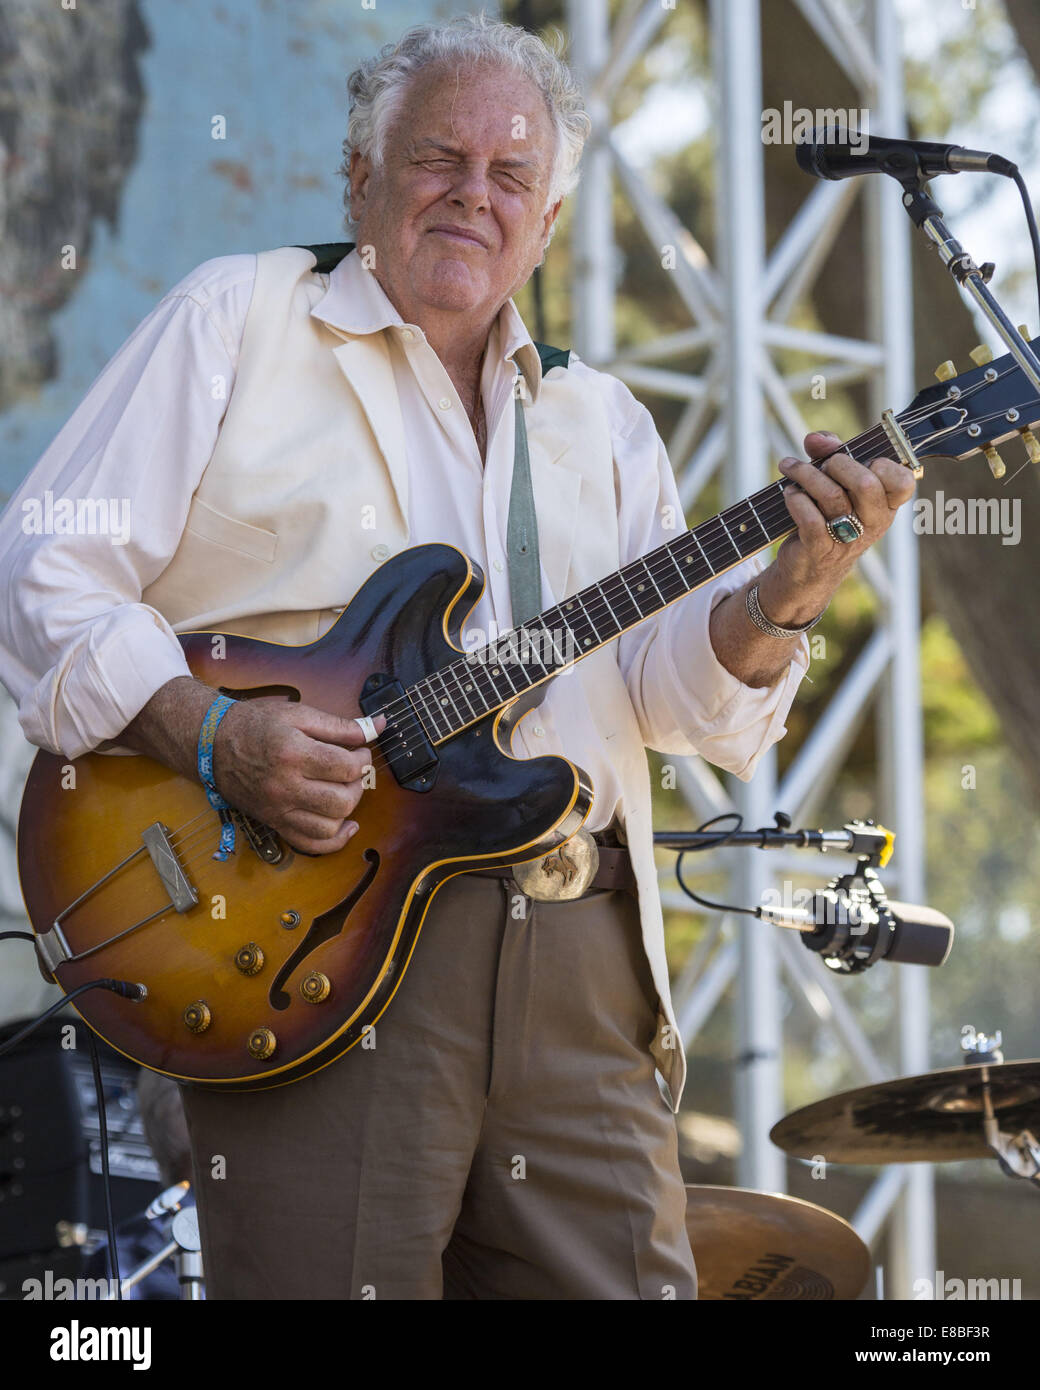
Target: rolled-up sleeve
(101, 515)
(685, 700)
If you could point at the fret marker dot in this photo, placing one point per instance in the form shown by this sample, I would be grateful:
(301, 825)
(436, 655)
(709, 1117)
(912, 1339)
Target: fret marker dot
(444, 700)
(588, 641)
(689, 559)
(743, 525)
(640, 587)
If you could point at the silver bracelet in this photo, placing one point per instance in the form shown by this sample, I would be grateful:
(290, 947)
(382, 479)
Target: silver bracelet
(764, 625)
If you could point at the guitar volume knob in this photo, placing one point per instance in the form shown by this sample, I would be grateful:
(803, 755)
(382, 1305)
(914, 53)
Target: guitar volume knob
(249, 958)
(197, 1016)
(315, 987)
(262, 1043)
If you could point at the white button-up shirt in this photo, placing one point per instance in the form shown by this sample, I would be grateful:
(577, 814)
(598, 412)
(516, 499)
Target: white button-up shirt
(81, 654)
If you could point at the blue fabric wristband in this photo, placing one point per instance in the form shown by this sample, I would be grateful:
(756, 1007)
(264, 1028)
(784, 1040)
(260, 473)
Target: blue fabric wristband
(207, 733)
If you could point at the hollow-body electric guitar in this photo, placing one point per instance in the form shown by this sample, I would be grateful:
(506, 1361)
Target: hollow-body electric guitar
(266, 967)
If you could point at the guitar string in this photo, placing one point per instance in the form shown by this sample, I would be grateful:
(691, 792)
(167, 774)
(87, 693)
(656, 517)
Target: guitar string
(774, 509)
(715, 546)
(769, 512)
(874, 437)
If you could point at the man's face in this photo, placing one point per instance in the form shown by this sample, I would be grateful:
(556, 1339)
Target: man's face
(457, 210)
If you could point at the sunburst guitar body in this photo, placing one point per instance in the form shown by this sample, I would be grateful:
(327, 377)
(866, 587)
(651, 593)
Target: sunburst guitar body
(265, 968)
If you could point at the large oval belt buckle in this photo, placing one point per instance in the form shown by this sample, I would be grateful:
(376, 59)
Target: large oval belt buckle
(563, 875)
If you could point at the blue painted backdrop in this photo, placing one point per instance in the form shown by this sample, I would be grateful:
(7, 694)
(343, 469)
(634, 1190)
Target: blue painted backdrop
(276, 71)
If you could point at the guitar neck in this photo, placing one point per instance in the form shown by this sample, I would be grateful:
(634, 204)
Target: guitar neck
(485, 680)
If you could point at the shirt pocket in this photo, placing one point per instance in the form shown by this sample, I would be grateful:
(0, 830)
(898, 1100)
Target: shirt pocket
(209, 524)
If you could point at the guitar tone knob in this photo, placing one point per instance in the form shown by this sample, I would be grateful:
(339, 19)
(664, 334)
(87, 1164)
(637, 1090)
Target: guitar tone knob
(262, 1043)
(316, 987)
(249, 958)
(290, 919)
(197, 1016)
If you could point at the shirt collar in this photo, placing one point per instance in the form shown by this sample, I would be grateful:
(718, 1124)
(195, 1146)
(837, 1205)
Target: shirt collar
(356, 303)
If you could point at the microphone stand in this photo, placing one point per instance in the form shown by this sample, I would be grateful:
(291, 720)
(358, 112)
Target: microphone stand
(926, 214)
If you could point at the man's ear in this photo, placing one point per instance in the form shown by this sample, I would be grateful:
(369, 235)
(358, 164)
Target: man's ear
(360, 172)
(551, 215)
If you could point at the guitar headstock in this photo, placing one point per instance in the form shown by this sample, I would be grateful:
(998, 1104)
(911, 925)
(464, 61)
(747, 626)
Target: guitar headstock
(974, 412)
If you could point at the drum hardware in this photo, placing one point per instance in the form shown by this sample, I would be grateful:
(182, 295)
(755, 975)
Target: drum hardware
(988, 1106)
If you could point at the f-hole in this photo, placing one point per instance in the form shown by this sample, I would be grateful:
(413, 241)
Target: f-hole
(322, 929)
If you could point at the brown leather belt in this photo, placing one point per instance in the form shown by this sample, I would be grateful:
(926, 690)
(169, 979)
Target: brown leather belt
(615, 872)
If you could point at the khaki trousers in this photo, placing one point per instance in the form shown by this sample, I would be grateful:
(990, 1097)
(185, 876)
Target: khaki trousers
(505, 1138)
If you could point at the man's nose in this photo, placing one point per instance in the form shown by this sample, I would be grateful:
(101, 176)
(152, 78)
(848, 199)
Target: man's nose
(471, 188)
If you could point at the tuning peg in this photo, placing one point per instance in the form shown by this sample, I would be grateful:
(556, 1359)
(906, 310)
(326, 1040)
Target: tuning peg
(981, 355)
(996, 463)
(945, 370)
(1023, 328)
(1031, 442)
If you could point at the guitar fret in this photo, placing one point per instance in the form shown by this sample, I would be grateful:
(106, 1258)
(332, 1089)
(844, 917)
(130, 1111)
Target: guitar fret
(682, 577)
(631, 599)
(430, 710)
(620, 626)
(704, 557)
(758, 519)
(646, 570)
(457, 678)
(447, 703)
(546, 636)
(721, 518)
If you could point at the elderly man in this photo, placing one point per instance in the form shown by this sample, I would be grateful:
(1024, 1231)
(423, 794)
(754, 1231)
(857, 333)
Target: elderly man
(505, 1137)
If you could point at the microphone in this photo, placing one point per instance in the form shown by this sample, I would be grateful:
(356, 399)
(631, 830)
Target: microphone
(854, 928)
(170, 1200)
(829, 154)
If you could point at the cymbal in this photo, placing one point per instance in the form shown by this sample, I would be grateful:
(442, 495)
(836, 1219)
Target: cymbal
(759, 1246)
(933, 1118)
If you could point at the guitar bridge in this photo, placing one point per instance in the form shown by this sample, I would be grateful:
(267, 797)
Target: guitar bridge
(157, 842)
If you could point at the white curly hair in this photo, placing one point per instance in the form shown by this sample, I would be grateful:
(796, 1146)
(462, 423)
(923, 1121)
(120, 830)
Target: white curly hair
(377, 88)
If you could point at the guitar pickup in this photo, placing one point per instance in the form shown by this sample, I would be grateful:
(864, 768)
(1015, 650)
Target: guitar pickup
(157, 842)
(404, 742)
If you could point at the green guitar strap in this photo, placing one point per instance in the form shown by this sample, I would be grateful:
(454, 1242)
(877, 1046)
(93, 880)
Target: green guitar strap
(522, 557)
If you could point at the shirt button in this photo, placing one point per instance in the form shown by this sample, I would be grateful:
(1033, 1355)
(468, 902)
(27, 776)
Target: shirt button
(498, 565)
(538, 731)
(407, 334)
(380, 552)
(444, 403)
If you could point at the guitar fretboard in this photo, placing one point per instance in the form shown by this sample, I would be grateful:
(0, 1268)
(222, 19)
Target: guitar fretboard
(483, 681)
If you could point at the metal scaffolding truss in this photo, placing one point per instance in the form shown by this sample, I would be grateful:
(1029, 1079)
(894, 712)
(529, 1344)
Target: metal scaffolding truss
(742, 409)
